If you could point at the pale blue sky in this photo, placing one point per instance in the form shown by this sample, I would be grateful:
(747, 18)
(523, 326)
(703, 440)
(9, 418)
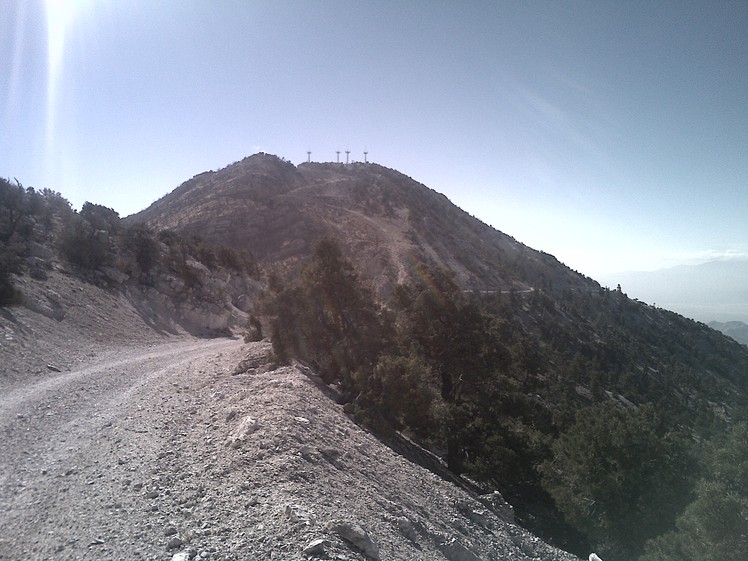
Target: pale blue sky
(613, 135)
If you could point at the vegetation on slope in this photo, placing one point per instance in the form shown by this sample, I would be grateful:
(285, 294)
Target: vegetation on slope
(39, 228)
(581, 405)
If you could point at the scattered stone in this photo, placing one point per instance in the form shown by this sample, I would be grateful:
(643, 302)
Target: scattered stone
(170, 531)
(496, 502)
(181, 556)
(477, 516)
(247, 426)
(53, 368)
(97, 541)
(407, 529)
(357, 537)
(295, 513)
(307, 453)
(174, 543)
(455, 551)
(317, 547)
(333, 456)
(152, 494)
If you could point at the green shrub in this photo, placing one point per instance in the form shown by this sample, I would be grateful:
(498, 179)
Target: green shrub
(620, 476)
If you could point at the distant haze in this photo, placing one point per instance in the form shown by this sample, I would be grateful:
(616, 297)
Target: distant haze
(712, 291)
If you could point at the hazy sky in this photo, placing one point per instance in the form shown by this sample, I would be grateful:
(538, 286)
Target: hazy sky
(613, 135)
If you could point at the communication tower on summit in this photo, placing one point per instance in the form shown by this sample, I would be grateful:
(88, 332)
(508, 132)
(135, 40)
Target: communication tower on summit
(366, 152)
(308, 156)
(338, 153)
(346, 156)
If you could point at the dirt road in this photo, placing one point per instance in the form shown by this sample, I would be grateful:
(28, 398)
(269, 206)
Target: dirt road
(72, 444)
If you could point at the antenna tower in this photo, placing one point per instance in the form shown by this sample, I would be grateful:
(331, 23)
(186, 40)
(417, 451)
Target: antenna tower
(338, 153)
(308, 156)
(366, 152)
(346, 156)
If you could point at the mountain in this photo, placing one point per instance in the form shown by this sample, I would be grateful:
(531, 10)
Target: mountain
(385, 221)
(510, 371)
(519, 372)
(735, 329)
(712, 291)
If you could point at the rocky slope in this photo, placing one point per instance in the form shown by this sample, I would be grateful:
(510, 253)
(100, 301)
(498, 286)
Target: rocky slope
(385, 221)
(135, 445)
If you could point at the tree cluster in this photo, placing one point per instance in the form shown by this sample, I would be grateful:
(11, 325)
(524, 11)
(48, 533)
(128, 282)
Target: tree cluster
(96, 237)
(589, 411)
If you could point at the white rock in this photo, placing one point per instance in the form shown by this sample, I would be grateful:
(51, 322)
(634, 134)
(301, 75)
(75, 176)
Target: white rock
(246, 427)
(356, 536)
(317, 547)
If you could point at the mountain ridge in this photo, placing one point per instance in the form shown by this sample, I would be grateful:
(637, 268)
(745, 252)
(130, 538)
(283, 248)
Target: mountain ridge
(385, 221)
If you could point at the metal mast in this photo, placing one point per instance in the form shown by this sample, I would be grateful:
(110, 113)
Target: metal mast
(308, 156)
(346, 156)
(338, 153)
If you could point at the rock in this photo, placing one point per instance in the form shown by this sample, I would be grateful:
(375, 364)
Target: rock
(295, 513)
(170, 531)
(53, 368)
(497, 502)
(114, 275)
(307, 453)
(317, 547)
(357, 537)
(181, 556)
(174, 543)
(247, 426)
(477, 516)
(594, 557)
(407, 529)
(455, 551)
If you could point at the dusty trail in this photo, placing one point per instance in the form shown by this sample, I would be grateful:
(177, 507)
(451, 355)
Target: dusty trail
(66, 440)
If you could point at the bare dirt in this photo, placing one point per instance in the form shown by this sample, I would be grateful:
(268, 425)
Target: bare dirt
(118, 442)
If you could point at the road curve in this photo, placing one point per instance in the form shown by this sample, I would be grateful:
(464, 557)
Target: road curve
(60, 437)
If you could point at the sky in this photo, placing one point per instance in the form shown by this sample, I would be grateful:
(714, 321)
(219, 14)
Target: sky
(613, 135)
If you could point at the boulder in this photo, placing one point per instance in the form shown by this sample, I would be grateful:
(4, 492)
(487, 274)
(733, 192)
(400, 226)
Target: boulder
(357, 537)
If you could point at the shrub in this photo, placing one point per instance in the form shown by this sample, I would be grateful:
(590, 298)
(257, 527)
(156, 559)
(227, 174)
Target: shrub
(620, 476)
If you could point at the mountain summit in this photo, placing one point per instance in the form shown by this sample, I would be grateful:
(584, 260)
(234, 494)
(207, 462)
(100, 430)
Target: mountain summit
(385, 222)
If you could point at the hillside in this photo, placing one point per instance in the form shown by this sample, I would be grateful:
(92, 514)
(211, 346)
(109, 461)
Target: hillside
(126, 437)
(603, 420)
(139, 445)
(385, 222)
(504, 353)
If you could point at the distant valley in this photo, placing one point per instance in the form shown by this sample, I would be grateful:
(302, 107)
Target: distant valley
(735, 329)
(712, 291)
